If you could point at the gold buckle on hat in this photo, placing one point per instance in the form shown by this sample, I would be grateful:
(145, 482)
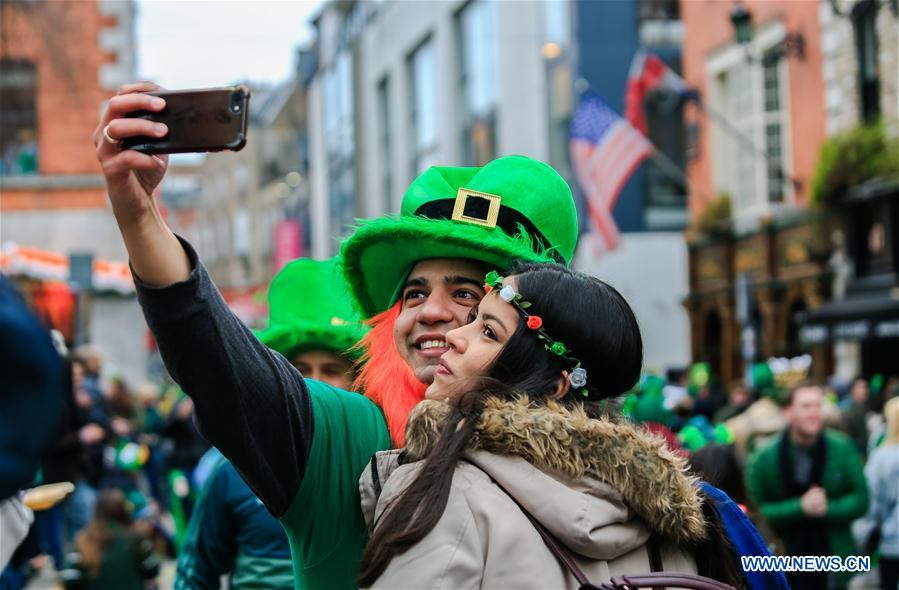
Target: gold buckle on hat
(462, 197)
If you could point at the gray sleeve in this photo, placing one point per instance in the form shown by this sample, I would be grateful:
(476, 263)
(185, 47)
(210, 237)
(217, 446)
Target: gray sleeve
(249, 401)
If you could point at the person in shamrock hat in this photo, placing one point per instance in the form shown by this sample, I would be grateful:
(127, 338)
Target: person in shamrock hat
(230, 533)
(317, 332)
(302, 445)
(418, 275)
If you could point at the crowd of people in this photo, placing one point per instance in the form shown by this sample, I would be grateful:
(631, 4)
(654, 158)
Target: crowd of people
(446, 404)
(815, 466)
(130, 457)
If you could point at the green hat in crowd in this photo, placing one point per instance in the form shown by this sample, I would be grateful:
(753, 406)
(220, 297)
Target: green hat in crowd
(512, 208)
(309, 309)
(699, 376)
(763, 382)
(692, 438)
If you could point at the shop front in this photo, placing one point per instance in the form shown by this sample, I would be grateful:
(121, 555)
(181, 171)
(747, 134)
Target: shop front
(747, 293)
(863, 316)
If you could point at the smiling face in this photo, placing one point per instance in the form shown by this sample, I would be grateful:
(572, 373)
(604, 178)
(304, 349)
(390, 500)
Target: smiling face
(806, 412)
(474, 346)
(437, 297)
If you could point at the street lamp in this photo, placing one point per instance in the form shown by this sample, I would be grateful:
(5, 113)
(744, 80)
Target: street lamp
(741, 19)
(792, 45)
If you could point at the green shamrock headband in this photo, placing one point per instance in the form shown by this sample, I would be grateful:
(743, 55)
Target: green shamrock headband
(577, 376)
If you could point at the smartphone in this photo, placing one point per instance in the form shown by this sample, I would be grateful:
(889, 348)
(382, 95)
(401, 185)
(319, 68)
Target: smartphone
(205, 120)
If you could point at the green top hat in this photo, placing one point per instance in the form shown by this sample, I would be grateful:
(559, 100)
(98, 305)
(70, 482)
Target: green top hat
(309, 310)
(512, 208)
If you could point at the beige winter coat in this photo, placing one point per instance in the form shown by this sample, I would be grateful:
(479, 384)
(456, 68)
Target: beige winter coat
(599, 487)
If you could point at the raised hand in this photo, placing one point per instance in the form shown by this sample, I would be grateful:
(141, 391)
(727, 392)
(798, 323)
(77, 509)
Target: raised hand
(131, 176)
(131, 179)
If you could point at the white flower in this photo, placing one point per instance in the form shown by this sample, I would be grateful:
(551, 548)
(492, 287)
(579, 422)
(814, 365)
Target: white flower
(578, 378)
(507, 293)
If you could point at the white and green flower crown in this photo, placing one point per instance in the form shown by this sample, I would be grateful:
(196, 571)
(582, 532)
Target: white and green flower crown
(577, 375)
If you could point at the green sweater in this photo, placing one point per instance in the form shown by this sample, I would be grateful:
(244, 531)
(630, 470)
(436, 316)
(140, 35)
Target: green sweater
(843, 480)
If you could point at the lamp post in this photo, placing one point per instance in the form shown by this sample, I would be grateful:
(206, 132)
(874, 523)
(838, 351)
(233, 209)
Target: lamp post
(741, 19)
(792, 45)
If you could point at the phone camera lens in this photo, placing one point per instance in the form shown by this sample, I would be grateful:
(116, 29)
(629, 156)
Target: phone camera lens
(236, 102)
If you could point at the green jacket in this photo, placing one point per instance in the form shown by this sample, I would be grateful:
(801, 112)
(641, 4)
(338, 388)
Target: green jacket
(843, 479)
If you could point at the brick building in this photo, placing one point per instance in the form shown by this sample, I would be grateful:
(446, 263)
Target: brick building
(59, 61)
(755, 147)
(776, 79)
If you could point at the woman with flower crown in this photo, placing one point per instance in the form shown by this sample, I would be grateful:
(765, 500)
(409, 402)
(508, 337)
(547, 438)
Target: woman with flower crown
(513, 450)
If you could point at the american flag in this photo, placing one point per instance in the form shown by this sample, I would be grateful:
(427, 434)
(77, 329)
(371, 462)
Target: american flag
(605, 150)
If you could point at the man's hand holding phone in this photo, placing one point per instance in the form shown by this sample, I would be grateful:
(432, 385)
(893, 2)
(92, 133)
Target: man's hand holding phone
(131, 176)
(131, 179)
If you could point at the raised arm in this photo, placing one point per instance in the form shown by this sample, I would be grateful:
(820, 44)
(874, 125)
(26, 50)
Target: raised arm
(249, 401)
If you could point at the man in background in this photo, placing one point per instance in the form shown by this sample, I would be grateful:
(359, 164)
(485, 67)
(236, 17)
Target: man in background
(810, 485)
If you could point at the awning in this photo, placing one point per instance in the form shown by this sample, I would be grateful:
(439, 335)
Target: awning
(856, 318)
(44, 265)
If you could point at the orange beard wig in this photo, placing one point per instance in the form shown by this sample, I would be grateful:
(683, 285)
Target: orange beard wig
(385, 378)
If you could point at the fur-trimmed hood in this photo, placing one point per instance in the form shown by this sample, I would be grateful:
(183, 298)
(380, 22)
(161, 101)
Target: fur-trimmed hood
(567, 468)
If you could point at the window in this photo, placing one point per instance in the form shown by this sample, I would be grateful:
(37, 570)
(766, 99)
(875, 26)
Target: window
(864, 19)
(749, 125)
(340, 143)
(422, 66)
(386, 160)
(735, 161)
(476, 32)
(18, 118)
(773, 122)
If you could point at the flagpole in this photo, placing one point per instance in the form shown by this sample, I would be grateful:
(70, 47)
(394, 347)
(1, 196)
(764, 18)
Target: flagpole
(668, 166)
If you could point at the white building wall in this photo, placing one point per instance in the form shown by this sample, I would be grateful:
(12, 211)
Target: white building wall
(651, 271)
(397, 30)
(523, 112)
(384, 46)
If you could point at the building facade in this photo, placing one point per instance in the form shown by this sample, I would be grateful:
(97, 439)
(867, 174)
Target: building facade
(775, 80)
(861, 317)
(53, 192)
(402, 86)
